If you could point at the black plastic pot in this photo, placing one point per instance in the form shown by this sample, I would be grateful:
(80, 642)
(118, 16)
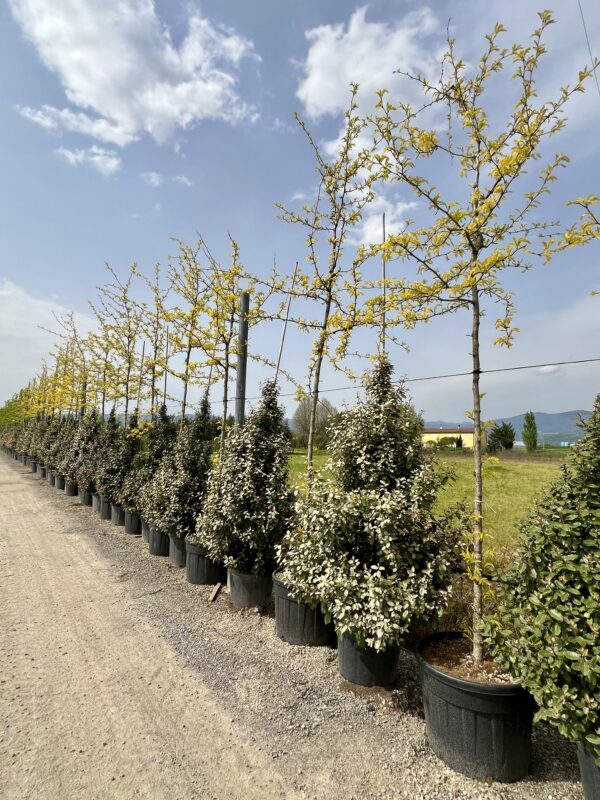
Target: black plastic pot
(158, 543)
(132, 523)
(50, 476)
(117, 514)
(248, 590)
(590, 773)
(481, 730)
(40, 470)
(70, 488)
(200, 569)
(96, 503)
(104, 508)
(176, 551)
(59, 482)
(366, 666)
(31, 464)
(85, 497)
(145, 530)
(298, 623)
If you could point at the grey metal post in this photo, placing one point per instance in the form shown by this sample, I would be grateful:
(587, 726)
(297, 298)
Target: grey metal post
(240, 382)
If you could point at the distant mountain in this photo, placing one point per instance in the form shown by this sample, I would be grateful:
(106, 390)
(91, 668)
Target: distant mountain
(558, 427)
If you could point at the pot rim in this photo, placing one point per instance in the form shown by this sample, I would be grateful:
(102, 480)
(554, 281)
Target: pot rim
(465, 685)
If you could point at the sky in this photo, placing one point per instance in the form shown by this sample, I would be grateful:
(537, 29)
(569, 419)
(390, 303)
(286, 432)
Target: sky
(125, 124)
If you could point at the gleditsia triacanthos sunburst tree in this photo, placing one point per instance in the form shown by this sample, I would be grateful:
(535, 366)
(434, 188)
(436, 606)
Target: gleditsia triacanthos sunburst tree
(77, 375)
(491, 223)
(334, 281)
(119, 323)
(185, 319)
(152, 316)
(220, 336)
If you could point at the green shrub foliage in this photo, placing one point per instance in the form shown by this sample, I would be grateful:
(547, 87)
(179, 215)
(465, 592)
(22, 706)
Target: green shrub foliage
(136, 494)
(249, 502)
(64, 445)
(175, 494)
(108, 469)
(367, 546)
(546, 625)
(530, 432)
(85, 465)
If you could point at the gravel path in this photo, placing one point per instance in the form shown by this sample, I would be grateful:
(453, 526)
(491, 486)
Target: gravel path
(120, 680)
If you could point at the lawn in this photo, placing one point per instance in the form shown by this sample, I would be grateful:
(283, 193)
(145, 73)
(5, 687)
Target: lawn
(510, 488)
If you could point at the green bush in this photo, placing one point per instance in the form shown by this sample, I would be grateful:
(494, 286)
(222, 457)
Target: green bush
(367, 546)
(175, 494)
(249, 502)
(86, 448)
(546, 625)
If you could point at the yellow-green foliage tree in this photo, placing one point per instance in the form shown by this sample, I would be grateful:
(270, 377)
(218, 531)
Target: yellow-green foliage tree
(334, 280)
(119, 319)
(494, 221)
(153, 325)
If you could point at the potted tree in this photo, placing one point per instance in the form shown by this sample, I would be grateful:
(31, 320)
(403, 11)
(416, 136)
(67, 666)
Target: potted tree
(107, 468)
(137, 495)
(179, 485)
(85, 465)
(63, 455)
(545, 629)
(367, 546)
(127, 444)
(249, 502)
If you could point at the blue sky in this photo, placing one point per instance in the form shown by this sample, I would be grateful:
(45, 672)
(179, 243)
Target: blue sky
(124, 124)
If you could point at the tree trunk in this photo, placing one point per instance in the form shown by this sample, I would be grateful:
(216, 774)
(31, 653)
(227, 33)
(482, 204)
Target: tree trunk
(478, 506)
(225, 398)
(186, 382)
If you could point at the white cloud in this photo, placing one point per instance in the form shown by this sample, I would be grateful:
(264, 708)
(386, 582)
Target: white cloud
(183, 180)
(152, 178)
(366, 53)
(106, 162)
(120, 69)
(77, 122)
(23, 343)
(370, 229)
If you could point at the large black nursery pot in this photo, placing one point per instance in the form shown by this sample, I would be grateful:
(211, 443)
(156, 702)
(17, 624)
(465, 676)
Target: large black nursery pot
(145, 530)
(132, 523)
(117, 514)
(85, 497)
(96, 503)
(176, 550)
(590, 773)
(104, 508)
(478, 729)
(50, 476)
(248, 590)
(200, 569)
(59, 482)
(41, 470)
(31, 464)
(70, 488)
(298, 623)
(158, 543)
(366, 666)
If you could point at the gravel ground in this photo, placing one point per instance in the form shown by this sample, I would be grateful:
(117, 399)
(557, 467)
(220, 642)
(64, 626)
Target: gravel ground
(283, 710)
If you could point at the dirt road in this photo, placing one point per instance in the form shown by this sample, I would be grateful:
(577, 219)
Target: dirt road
(119, 680)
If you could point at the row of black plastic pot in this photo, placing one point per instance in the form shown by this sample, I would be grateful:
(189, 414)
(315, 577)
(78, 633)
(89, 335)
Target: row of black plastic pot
(478, 729)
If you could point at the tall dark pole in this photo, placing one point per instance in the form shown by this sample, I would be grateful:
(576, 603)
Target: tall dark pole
(240, 383)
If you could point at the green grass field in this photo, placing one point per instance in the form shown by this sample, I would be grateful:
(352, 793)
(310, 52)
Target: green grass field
(510, 487)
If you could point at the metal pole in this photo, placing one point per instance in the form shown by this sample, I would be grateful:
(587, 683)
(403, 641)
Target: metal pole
(166, 367)
(240, 383)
